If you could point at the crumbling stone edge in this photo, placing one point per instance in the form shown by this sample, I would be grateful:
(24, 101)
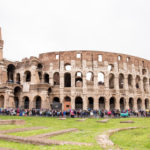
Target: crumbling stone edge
(103, 139)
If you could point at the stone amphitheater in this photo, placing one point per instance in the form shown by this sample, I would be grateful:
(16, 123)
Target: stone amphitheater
(75, 80)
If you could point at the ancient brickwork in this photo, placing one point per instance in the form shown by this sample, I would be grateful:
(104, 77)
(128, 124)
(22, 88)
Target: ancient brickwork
(75, 80)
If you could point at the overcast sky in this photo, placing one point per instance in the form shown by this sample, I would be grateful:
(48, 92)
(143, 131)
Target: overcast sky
(31, 27)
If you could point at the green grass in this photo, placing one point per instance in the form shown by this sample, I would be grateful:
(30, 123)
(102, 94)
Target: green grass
(88, 131)
(138, 139)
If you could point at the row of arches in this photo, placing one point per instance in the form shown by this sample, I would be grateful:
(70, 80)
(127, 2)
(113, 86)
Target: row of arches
(37, 103)
(79, 79)
(102, 103)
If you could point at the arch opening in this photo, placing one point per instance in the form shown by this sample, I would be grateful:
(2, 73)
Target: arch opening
(67, 67)
(67, 103)
(90, 103)
(78, 103)
(139, 104)
(10, 73)
(38, 102)
(18, 78)
(1, 101)
(146, 103)
(112, 103)
(101, 78)
(46, 78)
(27, 76)
(26, 102)
(78, 79)
(131, 103)
(111, 81)
(122, 104)
(137, 82)
(101, 103)
(121, 81)
(56, 78)
(67, 80)
(130, 81)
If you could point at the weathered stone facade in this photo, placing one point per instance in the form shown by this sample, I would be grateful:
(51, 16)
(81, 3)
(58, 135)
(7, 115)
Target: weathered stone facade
(76, 79)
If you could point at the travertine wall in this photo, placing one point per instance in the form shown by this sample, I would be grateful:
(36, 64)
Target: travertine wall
(126, 85)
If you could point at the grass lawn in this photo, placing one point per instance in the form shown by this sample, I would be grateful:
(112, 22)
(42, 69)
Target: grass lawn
(88, 131)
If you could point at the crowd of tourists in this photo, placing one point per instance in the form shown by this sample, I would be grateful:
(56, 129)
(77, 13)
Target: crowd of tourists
(74, 113)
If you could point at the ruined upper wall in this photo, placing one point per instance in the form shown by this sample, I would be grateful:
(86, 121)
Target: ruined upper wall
(90, 56)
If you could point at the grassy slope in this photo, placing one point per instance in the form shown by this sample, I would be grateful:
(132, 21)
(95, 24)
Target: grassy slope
(88, 130)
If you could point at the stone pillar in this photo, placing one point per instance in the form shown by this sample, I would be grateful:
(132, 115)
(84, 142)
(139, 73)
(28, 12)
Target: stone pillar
(45, 102)
(134, 84)
(147, 86)
(135, 104)
(61, 80)
(34, 75)
(21, 103)
(31, 104)
(116, 83)
(96, 103)
(51, 80)
(106, 81)
(126, 83)
(85, 102)
(95, 80)
(62, 100)
(15, 77)
(72, 102)
(127, 103)
(73, 79)
(84, 84)
(117, 104)
(143, 104)
(6, 100)
(141, 85)
(107, 106)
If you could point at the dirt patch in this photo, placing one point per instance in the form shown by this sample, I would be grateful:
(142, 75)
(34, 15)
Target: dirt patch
(103, 121)
(5, 148)
(103, 139)
(21, 130)
(81, 120)
(12, 122)
(55, 133)
(61, 118)
(39, 141)
(128, 121)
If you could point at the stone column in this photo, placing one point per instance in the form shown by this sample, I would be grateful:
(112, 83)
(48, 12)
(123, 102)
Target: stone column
(73, 79)
(31, 104)
(95, 80)
(85, 102)
(106, 81)
(141, 84)
(96, 103)
(117, 104)
(45, 102)
(34, 75)
(61, 80)
(51, 81)
(72, 102)
(84, 84)
(135, 104)
(127, 103)
(116, 83)
(143, 104)
(126, 83)
(107, 106)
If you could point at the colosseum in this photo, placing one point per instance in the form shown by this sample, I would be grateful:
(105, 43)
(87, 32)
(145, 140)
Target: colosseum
(75, 80)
